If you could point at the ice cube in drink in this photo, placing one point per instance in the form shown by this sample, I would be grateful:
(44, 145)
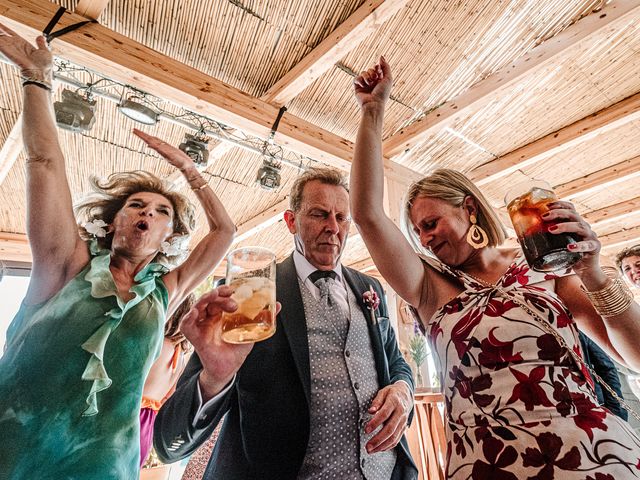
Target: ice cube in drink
(254, 320)
(543, 250)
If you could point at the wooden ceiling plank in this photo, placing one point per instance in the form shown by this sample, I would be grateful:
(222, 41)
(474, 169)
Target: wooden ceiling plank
(132, 63)
(11, 149)
(601, 122)
(584, 31)
(599, 180)
(615, 239)
(261, 221)
(349, 34)
(14, 247)
(91, 9)
(614, 212)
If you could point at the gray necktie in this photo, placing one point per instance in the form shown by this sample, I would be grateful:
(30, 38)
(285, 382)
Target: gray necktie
(332, 311)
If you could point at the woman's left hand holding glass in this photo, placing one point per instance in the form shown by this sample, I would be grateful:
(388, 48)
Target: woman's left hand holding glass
(569, 221)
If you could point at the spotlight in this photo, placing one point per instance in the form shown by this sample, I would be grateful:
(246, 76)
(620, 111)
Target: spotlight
(268, 175)
(75, 112)
(138, 112)
(196, 147)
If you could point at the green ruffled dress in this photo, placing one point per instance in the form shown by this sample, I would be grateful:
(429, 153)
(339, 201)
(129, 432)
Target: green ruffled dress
(72, 374)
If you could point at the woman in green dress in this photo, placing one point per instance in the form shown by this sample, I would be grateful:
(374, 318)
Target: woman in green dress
(91, 323)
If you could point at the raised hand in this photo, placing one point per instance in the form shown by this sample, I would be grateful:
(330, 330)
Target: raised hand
(171, 154)
(373, 86)
(23, 54)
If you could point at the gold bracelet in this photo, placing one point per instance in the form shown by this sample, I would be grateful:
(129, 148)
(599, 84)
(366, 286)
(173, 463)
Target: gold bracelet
(615, 298)
(196, 189)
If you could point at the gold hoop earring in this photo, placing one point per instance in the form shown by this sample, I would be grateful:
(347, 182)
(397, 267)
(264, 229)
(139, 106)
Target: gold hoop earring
(476, 236)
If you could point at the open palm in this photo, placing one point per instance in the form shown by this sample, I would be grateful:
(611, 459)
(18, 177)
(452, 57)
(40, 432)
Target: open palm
(171, 154)
(22, 53)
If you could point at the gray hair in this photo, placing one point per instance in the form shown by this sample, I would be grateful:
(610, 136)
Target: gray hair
(328, 176)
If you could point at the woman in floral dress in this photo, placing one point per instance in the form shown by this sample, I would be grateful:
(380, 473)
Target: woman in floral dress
(518, 404)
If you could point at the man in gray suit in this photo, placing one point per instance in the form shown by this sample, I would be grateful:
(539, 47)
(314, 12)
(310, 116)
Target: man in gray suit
(327, 396)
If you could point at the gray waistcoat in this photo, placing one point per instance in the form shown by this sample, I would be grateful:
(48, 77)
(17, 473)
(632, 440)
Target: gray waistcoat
(343, 384)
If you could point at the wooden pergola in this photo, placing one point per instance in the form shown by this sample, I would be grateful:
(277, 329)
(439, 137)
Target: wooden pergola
(450, 129)
(503, 91)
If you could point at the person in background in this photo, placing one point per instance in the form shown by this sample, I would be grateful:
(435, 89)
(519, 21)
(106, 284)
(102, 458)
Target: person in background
(328, 396)
(519, 404)
(602, 364)
(90, 326)
(164, 374)
(628, 261)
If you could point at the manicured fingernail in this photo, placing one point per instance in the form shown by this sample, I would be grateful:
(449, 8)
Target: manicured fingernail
(553, 228)
(545, 215)
(572, 246)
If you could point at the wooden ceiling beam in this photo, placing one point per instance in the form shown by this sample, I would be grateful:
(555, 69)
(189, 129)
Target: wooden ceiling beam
(264, 219)
(362, 23)
(132, 63)
(586, 31)
(14, 247)
(11, 149)
(599, 180)
(615, 239)
(614, 212)
(601, 122)
(91, 9)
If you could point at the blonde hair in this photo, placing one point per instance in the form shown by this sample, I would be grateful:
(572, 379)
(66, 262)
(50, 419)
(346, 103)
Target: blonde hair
(328, 176)
(110, 195)
(452, 187)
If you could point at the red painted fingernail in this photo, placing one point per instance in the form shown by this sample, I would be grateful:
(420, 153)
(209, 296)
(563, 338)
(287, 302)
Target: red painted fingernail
(553, 228)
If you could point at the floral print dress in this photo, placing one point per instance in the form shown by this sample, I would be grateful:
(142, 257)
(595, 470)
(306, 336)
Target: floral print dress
(517, 405)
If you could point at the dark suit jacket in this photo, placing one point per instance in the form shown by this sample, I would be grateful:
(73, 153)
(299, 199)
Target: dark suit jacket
(266, 429)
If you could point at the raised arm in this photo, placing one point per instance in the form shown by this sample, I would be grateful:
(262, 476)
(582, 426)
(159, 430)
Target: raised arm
(391, 252)
(210, 250)
(56, 258)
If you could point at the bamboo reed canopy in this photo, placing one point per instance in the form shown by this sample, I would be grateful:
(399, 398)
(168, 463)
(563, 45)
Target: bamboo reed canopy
(502, 90)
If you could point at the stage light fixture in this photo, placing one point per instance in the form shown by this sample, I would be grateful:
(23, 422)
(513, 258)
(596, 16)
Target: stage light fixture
(197, 147)
(268, 175)
(138, 112)
(75, 112)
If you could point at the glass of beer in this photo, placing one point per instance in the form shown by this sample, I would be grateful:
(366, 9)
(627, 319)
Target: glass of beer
(251, 273)
(544, 251)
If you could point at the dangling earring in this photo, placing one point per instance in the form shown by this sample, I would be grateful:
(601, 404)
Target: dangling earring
(476, 236)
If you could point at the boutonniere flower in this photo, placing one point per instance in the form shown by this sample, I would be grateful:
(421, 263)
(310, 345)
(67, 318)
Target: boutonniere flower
(372, 301)
(96, 228)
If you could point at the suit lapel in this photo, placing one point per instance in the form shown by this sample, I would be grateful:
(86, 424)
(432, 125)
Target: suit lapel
(293, 320)
(356, 281)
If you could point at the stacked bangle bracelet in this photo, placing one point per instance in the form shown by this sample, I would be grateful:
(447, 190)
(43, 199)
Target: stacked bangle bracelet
(615, 298)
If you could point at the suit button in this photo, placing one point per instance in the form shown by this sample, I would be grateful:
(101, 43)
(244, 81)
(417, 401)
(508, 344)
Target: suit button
(356, 386)
(347, 353)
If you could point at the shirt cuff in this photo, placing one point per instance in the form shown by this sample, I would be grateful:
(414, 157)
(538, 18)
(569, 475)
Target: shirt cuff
(201, 410)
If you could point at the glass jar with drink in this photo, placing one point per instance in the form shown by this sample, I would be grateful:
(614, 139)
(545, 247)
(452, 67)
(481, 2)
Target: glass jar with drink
(251, 273)
(544, 251)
